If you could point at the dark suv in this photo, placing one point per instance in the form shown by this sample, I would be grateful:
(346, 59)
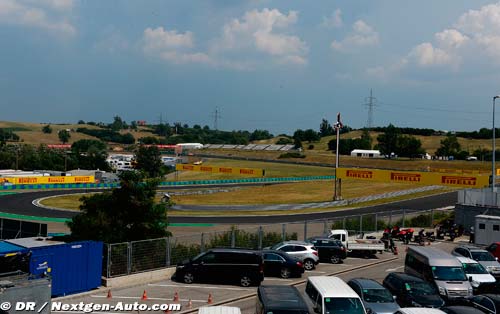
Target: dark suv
(280, 299)
(412, 291)
(330, 250)
(245, 267)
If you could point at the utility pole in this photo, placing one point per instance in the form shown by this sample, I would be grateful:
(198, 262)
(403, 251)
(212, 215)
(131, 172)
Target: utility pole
(337, 193)
(216, 116)
(370, 103)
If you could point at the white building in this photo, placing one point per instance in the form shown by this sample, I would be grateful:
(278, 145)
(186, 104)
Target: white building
(487, 229)
(366, 153)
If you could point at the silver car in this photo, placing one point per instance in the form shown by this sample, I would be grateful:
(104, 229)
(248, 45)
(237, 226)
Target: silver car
(303, 251)
(376, 298)
(483, 257)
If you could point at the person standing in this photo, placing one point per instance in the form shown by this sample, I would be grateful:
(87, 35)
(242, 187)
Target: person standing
(471, 235)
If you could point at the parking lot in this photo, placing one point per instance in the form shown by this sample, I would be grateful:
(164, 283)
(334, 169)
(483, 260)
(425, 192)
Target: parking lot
(197, 294)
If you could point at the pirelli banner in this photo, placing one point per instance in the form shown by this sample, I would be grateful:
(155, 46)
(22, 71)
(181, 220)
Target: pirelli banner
(217, 169)
(424, 178)
(48, 180)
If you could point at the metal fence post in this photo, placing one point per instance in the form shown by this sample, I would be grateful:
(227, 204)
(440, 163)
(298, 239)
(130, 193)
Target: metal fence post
(108, 270)
(432, 218)
(202, 242)
(325, 226)
(376, 220)
(343, 223)
(260, 237)
(390, 218)
(404, 217)
(360, 223)
(233, 238)
(168, 251)
(283, 232)
(129, 257)
(305, 230)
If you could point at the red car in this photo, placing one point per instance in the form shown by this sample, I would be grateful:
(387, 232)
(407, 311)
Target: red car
(494, 249)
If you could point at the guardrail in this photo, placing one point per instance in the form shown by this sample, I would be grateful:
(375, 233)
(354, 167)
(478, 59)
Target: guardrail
(165, 183)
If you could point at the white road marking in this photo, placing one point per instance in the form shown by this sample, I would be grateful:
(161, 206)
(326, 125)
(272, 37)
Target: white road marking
(393, 269)
(201, 287)
(316, 271)
(278, 279)
(157, 299)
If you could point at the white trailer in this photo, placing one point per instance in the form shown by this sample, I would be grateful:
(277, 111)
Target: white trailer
(353, 244)
(487, 229)
(366, 153)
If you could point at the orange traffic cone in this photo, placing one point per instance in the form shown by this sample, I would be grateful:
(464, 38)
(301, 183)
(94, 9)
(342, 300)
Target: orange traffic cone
(144, 295)
(190, 304)
(176, 297)
(109, 294)
(210, 299)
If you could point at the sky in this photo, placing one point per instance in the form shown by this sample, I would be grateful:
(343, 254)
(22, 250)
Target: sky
(274, 65)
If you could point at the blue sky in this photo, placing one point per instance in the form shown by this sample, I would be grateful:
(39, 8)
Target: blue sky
(276, 65)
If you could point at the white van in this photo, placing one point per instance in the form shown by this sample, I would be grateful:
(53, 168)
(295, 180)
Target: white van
(440, 268)
(219, 310)
(419, 310)
(480, 279)
(333, 295)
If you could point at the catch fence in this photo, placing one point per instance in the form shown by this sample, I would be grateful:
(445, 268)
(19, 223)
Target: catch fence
(139, 256)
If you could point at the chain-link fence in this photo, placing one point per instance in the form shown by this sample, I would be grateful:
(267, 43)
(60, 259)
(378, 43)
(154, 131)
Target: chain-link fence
(138, 256)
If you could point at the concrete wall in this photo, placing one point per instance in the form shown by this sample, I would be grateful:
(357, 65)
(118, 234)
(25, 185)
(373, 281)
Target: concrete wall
(465, 214)
(130, 280)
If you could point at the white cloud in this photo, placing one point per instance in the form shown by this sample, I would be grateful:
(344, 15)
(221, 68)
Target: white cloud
(38, 15)
(363, 35)
(451, 38)
(263, 31)
(334, 20)
(426, 54)
(160, 39)
(172, 46)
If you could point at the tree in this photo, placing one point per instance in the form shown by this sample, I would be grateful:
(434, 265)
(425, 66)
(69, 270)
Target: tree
(148, 159)
(409, 146)
(449, 146)
(387, 142)
(128, 213)
(260, 135)
(81, 122)
(47, 129)
(133, 125)
(325, 129)
(90, 154)
(297, 143)
(64, 136)
(311, 136)
(117, 124)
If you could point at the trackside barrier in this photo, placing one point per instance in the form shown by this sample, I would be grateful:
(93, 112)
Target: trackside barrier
(139, 256)
(166, 183)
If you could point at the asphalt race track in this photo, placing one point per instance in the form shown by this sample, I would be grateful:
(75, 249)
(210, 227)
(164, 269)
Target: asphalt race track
(21, 203)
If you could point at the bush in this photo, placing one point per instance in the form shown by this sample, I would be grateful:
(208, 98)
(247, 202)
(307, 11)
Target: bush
(311, 146)
(291, 155)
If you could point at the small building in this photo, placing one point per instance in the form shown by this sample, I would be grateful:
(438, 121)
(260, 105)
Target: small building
(487, 229)
(366, 153)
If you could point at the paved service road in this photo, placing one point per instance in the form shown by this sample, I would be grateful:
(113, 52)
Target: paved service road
(163, 291)
(21, 203)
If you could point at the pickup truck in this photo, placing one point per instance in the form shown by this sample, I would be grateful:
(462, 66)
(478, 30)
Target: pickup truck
(356, 245)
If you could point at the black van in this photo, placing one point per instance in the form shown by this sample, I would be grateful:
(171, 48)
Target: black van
(280, 300)
(245, 267)
(412, 291)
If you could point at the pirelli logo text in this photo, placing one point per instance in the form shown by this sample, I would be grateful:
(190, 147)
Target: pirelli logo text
(359, 174)
(458, 180)
(405, 177)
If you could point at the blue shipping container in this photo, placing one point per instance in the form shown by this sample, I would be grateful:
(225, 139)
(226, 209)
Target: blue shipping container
(74, 267)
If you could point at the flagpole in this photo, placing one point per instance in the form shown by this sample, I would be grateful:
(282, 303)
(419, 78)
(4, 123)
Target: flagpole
(337, 194)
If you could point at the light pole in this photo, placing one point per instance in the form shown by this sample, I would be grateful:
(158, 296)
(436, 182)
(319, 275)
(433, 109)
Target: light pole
(493, 172)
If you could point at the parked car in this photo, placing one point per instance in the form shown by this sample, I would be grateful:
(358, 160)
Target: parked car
(494, 249)
(329, 250)
(245, 267)
(375, 297)
(480, 279)
(482, 256)
(279, 263)
(418, 310)
(488, 303)
(280, 299)
(305, 252)
(412, 291)
(219, 310)
(460, 309)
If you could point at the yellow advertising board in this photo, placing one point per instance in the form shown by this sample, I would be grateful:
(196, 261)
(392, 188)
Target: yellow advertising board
(424, 178)
(49, 180)
(218, 169)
